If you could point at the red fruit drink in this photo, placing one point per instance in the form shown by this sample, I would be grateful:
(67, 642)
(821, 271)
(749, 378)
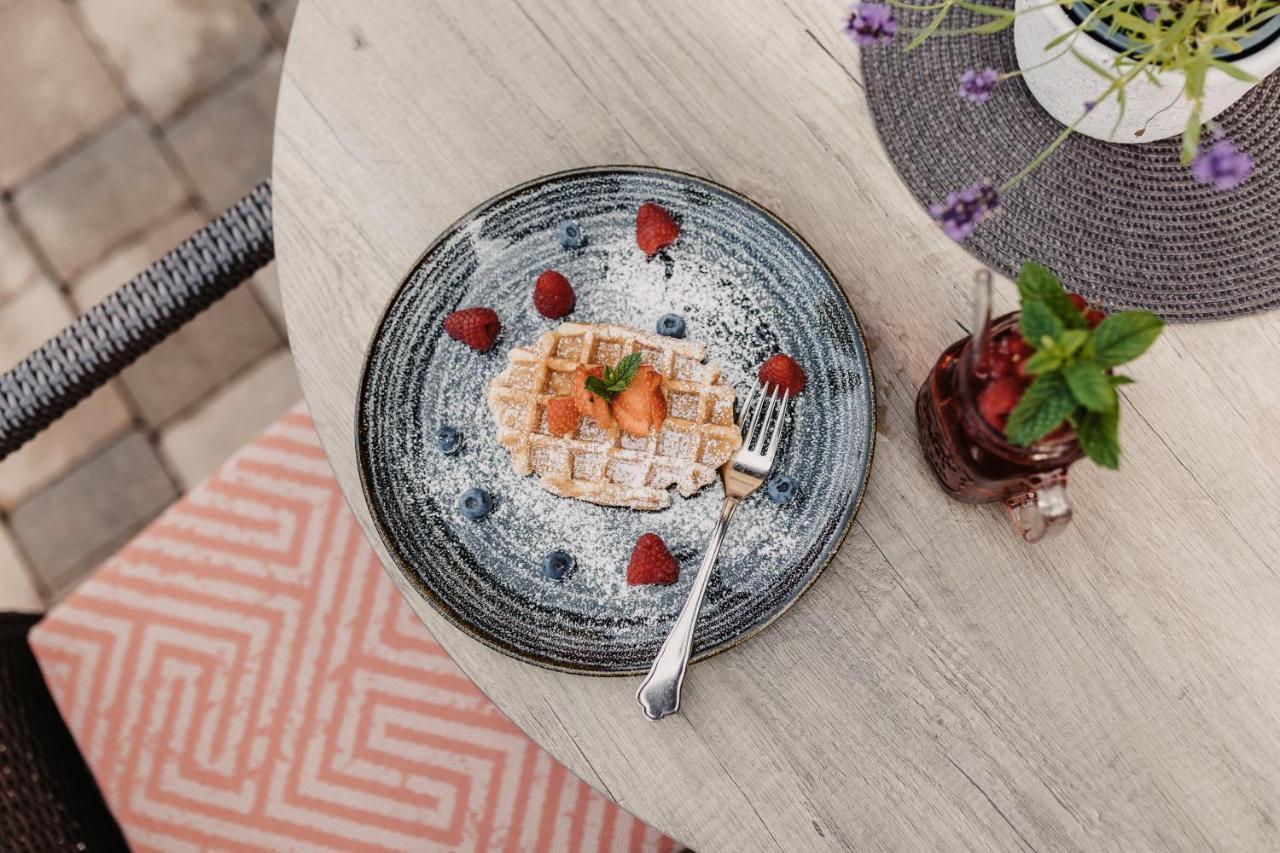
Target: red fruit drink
(961, 415)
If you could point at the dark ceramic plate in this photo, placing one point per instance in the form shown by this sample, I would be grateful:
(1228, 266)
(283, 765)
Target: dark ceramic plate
(748, 287)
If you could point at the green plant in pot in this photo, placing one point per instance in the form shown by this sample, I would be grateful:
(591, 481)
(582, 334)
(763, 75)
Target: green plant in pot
(1112, 69)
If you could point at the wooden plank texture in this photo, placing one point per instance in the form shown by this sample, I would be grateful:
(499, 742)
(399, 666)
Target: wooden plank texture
(943, 685)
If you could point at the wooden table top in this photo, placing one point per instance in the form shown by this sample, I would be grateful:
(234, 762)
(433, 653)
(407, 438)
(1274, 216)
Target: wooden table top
(943, 684)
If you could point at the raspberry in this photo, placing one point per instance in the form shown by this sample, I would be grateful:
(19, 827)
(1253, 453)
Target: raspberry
(476, 327)
(651, 562)
(1094, 317)
(1078, 301)
(994, 365)
(553, 295)
(997, 400)
(1019, 348)
(782, 371)
(655, 229)
(1019, 352)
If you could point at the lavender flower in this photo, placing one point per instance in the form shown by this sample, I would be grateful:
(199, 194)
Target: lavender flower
(1089, 105)
(965, 210)
(1222, 164)
(1150, 14)
(976, 86)
(870, 24)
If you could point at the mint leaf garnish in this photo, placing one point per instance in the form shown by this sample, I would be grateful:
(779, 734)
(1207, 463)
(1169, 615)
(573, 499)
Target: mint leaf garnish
(1033, 280)
(1099, 437)
(1037, 283)
(1125, 336)
(1089, 384)
(1037, 323)
(1045, 404)
(596, 386)
(616, 378)
(623, 372)
(1071, 365)
(1044, 361)
(1072, 341)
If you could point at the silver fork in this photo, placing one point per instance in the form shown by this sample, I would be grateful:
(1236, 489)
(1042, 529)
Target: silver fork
(659, 694)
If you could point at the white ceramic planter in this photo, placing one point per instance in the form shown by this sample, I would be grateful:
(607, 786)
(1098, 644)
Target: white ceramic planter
(1063, 85)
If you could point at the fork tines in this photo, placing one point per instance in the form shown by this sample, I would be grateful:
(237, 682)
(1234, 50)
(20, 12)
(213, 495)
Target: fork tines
(770, 428)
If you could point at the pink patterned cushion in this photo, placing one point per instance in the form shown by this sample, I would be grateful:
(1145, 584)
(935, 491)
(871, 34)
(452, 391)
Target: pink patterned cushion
(244, 675)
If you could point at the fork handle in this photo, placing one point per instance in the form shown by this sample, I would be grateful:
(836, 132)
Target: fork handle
(659, 693)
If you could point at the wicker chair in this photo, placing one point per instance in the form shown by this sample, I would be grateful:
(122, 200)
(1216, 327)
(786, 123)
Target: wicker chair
(48, 798)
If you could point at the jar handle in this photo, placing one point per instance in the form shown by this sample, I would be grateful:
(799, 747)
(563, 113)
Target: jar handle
(1044, 510)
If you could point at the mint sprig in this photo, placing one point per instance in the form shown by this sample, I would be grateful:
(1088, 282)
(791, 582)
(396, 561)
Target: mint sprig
(1039, 322)
(1099, 436)
(616, 378)
(1125, 336)
(1071, 365)
(1089, 385)
(1044, 405)
(1038, 283)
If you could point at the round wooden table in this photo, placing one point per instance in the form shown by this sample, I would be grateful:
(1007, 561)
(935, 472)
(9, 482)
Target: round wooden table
(943, 685)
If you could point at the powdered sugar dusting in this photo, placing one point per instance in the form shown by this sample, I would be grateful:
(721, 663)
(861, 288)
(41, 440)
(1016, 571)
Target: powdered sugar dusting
(738, 289)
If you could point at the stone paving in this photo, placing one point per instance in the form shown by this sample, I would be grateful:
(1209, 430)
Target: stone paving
(128, 124)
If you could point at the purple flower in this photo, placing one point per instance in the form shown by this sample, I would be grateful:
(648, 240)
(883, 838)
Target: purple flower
(870, 24)
(1222, 165)
(1089, 105)
(964, 211)
(976, 86)
(1150, 14)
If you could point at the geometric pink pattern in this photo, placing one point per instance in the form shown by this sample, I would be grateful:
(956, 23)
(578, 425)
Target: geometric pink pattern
(243, 675)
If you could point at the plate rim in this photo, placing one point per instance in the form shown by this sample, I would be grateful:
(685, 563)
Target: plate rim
(375, 514)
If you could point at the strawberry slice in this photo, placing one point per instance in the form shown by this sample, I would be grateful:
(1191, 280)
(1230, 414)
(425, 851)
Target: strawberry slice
(641, 405)
(562, 415)
(590, 405)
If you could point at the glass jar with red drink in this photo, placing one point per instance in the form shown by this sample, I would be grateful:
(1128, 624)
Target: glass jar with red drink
(960, 412)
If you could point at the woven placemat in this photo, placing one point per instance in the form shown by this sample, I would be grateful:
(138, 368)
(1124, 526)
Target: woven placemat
(1124, 225)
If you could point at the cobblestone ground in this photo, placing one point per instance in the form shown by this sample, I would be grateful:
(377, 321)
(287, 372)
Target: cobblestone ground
(127, 126)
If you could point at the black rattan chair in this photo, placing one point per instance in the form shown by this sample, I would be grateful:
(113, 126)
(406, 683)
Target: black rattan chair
(48, 798)
(155, 304)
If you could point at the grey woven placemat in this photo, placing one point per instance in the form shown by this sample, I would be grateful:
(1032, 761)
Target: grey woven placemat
(1124, 225)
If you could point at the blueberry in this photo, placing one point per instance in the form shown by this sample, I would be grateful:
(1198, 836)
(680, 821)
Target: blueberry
(782, 489)
(556, 565)
(571, 236)
(448, 440)
(475, 504)
(671, 325)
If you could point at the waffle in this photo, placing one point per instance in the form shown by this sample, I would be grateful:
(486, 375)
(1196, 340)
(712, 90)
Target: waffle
(608, 466)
